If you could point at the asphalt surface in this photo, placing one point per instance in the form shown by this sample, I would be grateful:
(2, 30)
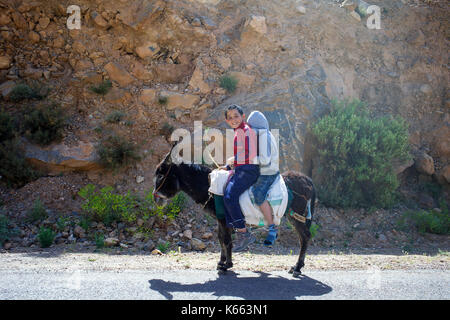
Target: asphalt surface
(237, 285)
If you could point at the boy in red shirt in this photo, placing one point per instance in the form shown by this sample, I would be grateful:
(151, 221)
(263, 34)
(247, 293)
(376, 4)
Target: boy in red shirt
(246, 172)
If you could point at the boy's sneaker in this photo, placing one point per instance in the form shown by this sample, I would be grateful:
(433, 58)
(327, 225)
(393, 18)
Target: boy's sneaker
(244, 239)
(272, 235)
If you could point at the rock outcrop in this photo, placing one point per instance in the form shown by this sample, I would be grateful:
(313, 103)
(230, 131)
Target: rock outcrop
(60, 158)
(288, 64)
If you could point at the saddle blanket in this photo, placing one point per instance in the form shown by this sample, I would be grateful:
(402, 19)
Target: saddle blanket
(277, 198)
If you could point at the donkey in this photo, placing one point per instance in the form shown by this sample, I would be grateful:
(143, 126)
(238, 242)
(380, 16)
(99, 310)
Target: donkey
(193, 179)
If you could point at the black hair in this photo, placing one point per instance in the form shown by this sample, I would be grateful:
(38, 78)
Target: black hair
(234, 107)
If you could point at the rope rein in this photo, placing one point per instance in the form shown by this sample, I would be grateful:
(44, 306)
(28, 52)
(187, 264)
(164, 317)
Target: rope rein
(162, 183)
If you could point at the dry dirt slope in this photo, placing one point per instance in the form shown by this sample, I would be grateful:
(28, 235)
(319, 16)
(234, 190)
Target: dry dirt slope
(290, 67)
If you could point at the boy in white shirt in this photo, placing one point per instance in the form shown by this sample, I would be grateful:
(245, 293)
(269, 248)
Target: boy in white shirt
(269, 169)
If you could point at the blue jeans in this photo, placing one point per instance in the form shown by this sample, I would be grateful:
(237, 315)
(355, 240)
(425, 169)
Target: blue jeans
(243, 178)
(262, 186)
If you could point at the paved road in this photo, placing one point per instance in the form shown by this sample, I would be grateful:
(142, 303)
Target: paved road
(208, 285)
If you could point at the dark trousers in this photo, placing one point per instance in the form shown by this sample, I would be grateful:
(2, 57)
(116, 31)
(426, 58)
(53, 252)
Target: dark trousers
(244, 177)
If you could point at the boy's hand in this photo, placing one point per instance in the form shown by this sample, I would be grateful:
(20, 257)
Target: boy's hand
(223, 168)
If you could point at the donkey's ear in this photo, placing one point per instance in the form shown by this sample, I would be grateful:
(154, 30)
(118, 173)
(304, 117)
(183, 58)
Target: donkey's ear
(168, 158)
(174, 158)
(172, 145)
(169, 155)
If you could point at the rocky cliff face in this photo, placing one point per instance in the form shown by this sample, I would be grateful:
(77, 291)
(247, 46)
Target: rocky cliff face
(290, 57)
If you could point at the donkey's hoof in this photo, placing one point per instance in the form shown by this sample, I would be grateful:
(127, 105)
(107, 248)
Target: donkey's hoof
(222, 272)
(296, 274)
(221, 268)
(224, 266)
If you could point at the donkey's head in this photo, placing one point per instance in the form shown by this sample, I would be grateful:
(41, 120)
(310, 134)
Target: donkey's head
(166, 180)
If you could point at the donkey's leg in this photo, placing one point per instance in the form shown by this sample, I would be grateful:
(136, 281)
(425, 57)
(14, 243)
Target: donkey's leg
(304, 236)
(221, 236)
(225, 245)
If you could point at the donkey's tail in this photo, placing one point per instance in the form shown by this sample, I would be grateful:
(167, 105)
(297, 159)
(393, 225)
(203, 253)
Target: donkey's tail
(311, 207)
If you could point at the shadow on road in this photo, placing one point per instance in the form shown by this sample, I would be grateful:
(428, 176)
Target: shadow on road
(265, 287)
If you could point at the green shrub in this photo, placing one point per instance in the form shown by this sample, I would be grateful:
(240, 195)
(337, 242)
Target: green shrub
(313, 229)
(98, 129)
(107, 207)
(115, 116)
(229, 83)
(163, 100)
(166, 129)
(37, 212)
(5, 229)
(432, 188)
(46, 237)
(24, 91)
(85, 223)
(15, 170)
(99, 239)
(103, 88)
(62, 223)
(176, 205)
(148, 207)
(7, 129)
(116, 152)
(163, 246)
(45, 124)
(427, 220)
(356, 152)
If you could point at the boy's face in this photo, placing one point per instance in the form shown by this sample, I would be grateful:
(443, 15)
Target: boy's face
(234, 118)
